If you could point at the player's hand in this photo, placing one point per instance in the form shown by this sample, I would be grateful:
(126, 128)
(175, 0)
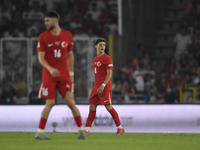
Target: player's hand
(54, 72)
(100, 90)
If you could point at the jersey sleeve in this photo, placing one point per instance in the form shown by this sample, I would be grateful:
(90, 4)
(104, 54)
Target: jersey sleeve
(71, 43)
(109, 64)
(41, 44)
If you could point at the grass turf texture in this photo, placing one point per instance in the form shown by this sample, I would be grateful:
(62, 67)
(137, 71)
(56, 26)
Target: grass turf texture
(100, 141)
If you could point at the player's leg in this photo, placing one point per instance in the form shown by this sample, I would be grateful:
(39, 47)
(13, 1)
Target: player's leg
(47, 91)
(106, 100)
(116, 119)
(69, 99)
(93, 101)
(44, 116)
(65, 88)
(45, 113)
(91, 117)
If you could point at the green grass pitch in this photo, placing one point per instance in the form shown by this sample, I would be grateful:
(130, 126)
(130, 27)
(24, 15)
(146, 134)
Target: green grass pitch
(100, 141)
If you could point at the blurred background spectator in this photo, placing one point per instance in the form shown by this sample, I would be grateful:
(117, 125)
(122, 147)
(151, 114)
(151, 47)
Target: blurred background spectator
(142, 77)
(9, 94)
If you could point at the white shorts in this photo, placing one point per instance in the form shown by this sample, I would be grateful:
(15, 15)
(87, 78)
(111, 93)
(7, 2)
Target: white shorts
(139, 87)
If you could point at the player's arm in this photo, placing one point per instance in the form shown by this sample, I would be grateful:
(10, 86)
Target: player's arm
(70, 60)
(107, 79)
(53, 71)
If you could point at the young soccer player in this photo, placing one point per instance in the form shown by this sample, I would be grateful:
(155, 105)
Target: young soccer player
(56, 56)
(102, 90)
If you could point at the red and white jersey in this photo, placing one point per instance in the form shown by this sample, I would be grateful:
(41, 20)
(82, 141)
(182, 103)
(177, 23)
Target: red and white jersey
(56, 50)
(101, 65)
(139, 77)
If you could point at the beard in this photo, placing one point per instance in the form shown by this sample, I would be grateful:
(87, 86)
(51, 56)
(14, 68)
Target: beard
(51, 27)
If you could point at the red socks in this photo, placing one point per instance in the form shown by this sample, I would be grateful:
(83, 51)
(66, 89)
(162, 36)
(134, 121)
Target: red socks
(78, 121)
(92, 115)
(115, 117)
(42, 123)
(89, 121)
(90, 118)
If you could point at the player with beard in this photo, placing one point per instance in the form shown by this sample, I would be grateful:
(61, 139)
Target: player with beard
(56, 57)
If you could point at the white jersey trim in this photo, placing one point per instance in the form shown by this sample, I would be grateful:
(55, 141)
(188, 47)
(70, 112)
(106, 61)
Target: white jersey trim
(110, 65)
(40, 91)
(109, 98)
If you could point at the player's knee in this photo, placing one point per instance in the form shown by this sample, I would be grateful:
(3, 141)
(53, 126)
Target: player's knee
(93, 107)
(108, 107)
(71, 105)
(50, 103)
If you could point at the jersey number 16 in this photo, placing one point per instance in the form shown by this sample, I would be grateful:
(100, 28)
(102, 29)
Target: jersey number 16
(45, 91)
(57, 53)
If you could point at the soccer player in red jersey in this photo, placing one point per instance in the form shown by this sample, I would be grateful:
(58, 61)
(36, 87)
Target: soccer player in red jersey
(56, 56)
(102, 90)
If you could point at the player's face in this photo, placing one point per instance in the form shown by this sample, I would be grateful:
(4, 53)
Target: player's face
(49, 23)
(101, 46)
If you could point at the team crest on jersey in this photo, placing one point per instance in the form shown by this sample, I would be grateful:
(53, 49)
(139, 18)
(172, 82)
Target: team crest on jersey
(98, 63)
(64, 44)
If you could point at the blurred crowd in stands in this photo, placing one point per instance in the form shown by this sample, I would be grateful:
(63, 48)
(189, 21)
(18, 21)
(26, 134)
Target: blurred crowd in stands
(84, 18)
(141, 79)
(25, 18)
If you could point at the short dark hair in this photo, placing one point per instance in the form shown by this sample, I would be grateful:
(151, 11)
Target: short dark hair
(100, 40)
(52, 14)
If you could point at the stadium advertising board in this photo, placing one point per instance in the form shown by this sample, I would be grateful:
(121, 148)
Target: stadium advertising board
(134, 118)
